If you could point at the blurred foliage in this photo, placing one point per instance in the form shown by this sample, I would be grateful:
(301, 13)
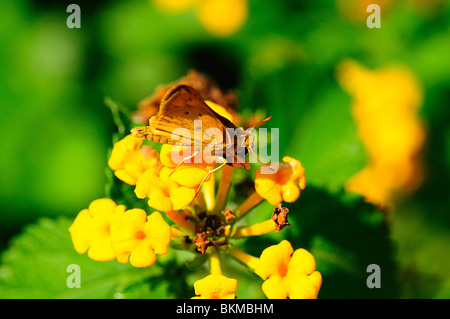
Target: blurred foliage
(57, 131)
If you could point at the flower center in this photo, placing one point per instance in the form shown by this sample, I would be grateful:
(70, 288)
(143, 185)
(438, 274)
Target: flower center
(284, 174)
(140, 235)
(283, 269)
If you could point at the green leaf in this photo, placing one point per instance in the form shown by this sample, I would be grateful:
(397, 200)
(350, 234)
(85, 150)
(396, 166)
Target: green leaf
(326, 141)
(313, 115)
(35, 266)
(117, 190)
(122, 193)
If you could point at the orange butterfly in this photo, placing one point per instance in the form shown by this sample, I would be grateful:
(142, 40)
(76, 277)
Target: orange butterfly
(184, 119)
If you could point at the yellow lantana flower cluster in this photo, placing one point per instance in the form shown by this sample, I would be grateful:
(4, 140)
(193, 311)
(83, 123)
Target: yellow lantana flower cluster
(385, 106)
(201, 222)
(284, 185)
(219, 17)
(107, 231)
(129, 160)
(288, 272)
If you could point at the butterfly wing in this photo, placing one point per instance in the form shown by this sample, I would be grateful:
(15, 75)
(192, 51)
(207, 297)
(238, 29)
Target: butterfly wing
(182, 107)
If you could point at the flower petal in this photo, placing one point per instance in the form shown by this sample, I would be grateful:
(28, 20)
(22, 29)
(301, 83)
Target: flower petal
(80, 231)
(274, 260)
(267, 188)
(302, 262)
(189, 175)
(158, 232)
(215, 287)
(142, 255)
(181, 196)
(304, 287)
(160, 201)
(124, 230)
(290, 192)
(275, 287)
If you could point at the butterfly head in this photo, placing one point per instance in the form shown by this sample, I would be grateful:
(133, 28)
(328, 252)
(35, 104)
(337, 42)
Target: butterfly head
(249, 142)
(139, 132)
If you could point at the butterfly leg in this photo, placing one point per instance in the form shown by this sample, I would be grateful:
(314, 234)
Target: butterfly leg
(183, 160)
(224, 162)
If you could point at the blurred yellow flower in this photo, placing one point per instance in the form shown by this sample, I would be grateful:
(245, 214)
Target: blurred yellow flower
(223, 17)
(288, 273)
(129, 160)
(215, 287)
(385, 108)
(91, 229)
(139, 238)
(356, 10)
(219, 17)
(175, 6)
(283, 185)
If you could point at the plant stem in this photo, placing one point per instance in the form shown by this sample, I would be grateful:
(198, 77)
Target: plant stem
(214, 263)
(209, 193)
(248, 260)
(255, 230)
(224, 186)
(253, 200)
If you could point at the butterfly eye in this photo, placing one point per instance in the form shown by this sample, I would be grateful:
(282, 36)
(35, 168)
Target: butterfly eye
(249, 142)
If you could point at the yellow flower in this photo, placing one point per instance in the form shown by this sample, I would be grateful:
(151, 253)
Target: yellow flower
(215, 287)
(91, 229)
(288, 273)
(283, 185)
(385, 108)
(129, 160)
(174, 6)
(164, 194)
(139, 238)
(189, 173)
(223, 17)
(219, 17)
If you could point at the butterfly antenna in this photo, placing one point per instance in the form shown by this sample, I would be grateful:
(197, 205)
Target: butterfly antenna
(261, 122)
(251, 148)
(259, 161)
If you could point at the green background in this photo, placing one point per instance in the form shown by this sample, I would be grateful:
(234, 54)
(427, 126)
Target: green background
(56, 132)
